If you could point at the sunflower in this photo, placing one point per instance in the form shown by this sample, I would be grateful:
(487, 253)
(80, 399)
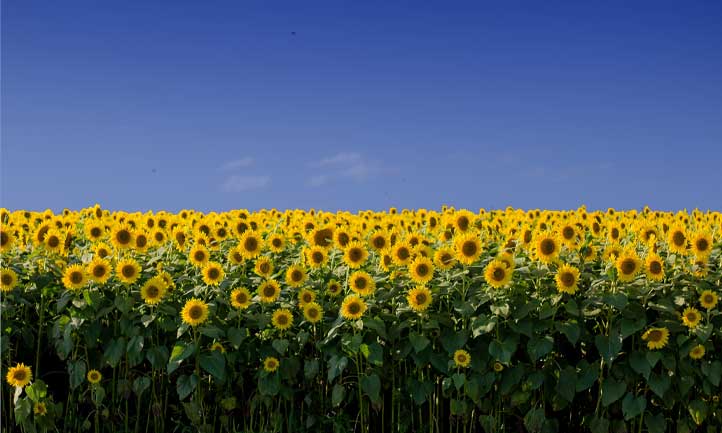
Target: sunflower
(701, 244)
(295, 275)
(700, 267)
(19, 376)
(654, 268)
(444, 258)
(691, 317)
(497, 274)
(468, 247)
(195, 312)
(353, 307)
(379, 240)
(421, 270)
(74, 277)
(213, 273)
(199, 255)
(8, 279)
(167, 279)
(270, 364)
(54, 241)
(121, 236)
(656, 338)
(153, 290)
(269, 291)
(677, 239)
(94, 377)
(276, 242)
(546, 247)
(341, 238)
(141, 241)
(240, 298)
(462, 359)
(179, 237)
(508, 259)
(251, 244)
(7, 239)
(419, 298)
(127, 270)
(697, 352)
(218, 346)
(312, 312)
(306, 296)
(40, 409)
(355, 254)
(401, 253)
(568, 235)
(316, 257)
(235, 257)
(567, 279)
(463, 221)
(498, 367)
(362, 283)
(321, 237)
(333, 288)
(282, 319)
(628, 265)
(99, 270)
(708, 299)
(102, 250)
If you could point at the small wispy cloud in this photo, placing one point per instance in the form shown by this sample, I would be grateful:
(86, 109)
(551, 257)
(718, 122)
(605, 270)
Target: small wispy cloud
(237, 183)
(339, 159)
(237, 163)
(317, 180)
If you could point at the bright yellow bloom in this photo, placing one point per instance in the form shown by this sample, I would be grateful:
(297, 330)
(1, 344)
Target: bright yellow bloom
(497, 274)
(19, 376)
(355, 254)
(74, 277)
(708, 299)
(567, 279)
(269, 291)
(462, 359)
(195, 312)
(656, 338)
(240, 298)
(263, 267)
(468, 247)
(691, 317)
(295, 275)
(99, 270)
(419, 298)
(270, 364)
(94, 376)
(421, 270)
(127, 271)
(654, 268)
(213, 273)
(312, 312)
(628, 265)
(697, 352)
(153, 290)
(353, 307)
(8, 279)
(362, 283)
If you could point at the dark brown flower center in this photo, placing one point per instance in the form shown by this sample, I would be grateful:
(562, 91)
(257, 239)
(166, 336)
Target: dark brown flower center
(323, 237)
(498, 274)
(196, 312)
(354, 308)
(199, 256)
(469, 248)
(95, 232)
(250, 244)
(463, 223)
(568, 232)
(128, 271)
(123, 237)
(678, 238)
(547, 246)
(421, 298)
(6, 279)
(628, 266)
(567, 279)
(269, 291)
(355, 254)
(99, 271)
(296, 275)
(655, 267)
(422, 270)
(702, 244)
(76, 277)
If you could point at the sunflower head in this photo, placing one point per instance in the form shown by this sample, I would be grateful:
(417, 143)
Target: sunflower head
(628, 265)
(654, 267)
(498, 274)
(240, 298)
(333, 288)
(316, 257)
(462, 359)
(702, 244)
(199, 255)
(218, 346)
(195, 312)
(75, 277)
(269, 291)
(251, 244)
(353, 307)
(691, 317)
(697, 352)
(94, 377)
(40, 409)
(547, 247)
(421, 270)
(312, 312)
(468, 247)
(295, 275)
(567, 279)
(153, 290)
(213, 273)
(419, 298)
(362, 283)
(498, 367)
(8, 279)
(127, 271)
(656, 338)
(19, 376)
(355, 254)
(276, 242)
(121, 236)
(708, 299)
(99, 270)
(444, 258)
(270, 364)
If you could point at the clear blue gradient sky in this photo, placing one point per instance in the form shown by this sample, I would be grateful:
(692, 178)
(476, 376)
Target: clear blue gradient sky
(361, 104)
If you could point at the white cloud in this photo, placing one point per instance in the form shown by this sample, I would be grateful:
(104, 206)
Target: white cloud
(237, 163)
(339, 159)
(318, 180)
(244, 183)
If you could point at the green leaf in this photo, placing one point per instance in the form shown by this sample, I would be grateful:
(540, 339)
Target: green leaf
(618, 300)
(375, 354)
(186, 384)
(503, 351)
(639, 363)
(215, 364)
(22, 410)
(458, 407)
(418, 341)
(659, 383)
(140, 384)
(135, 349)
(377, 325)
(98, 394)
(587, 376)
(310, 369)
(713, 371)
(538, 347)
(337, 394)
(453, 341)
(612, 391)
(37, 390)
(570, 330)
(534, 420)
(633, 406)
(420, 390)
(114, 352)
(567, 384)
(280, 345)
(655, 423)
(336, 366)
(698, 410)
(599, 425)
(179, 353)
(653, 358)
(76, 370)
(157, 356)
(236, 336)
(630, 326)
(371, 386)
(459, 380)
(609, 346)
(211, 331)
(269, 384)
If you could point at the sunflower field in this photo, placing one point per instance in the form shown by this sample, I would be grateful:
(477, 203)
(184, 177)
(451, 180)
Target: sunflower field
(397, 321)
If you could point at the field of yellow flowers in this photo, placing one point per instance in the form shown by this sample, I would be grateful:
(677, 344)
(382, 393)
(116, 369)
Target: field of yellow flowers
(395, 321)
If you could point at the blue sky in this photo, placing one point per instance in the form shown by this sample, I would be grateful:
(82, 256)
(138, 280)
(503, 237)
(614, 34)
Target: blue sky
(361, 105)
